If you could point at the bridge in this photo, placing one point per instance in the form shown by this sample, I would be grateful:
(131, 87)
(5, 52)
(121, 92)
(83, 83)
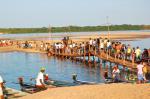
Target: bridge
(99, 54)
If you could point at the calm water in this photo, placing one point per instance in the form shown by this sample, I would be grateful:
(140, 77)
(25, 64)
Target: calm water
(15, 64)
(142, 43)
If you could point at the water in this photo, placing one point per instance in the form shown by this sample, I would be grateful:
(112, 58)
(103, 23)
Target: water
(16, 64)
(142, 43)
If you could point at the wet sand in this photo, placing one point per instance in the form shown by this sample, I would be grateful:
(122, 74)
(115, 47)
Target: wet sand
(103, 91)
(10, 49)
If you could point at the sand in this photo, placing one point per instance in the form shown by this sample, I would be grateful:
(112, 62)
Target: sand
(11, 49)
(101, 91)
(84, 37)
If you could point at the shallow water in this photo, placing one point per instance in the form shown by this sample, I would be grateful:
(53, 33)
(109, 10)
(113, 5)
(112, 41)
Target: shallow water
(142, 43)
(16, 64)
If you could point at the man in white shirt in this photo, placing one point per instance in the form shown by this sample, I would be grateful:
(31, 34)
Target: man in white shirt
(73, 44)
(94, 42)
(90, 41)
(40, 80)
(1, 88)
(140, 72)
(102, 45)
(108, 44)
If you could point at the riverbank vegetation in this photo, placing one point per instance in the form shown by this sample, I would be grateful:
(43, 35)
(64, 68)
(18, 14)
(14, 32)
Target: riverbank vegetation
(75, 29)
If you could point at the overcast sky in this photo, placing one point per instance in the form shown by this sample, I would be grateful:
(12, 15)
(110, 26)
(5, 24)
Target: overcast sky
(41, 13)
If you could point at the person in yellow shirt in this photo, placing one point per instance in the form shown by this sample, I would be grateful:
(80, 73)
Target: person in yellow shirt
(144, 71)
(129, 52)
(138, 53)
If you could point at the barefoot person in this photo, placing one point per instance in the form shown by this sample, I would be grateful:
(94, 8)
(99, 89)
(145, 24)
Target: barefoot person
(40, 80)
(144, 71)
(140, 72)
(1, 88)
(115, 74)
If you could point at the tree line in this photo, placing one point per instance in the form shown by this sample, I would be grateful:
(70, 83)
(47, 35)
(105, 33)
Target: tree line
(75, 29)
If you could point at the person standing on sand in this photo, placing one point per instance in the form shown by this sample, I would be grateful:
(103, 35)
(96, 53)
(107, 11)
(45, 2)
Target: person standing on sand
(115, 74)
(1, 88)
(144, 71)
(140, 72)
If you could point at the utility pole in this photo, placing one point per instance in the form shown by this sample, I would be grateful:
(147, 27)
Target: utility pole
(50, 32)
(108, 34)
(68, 36)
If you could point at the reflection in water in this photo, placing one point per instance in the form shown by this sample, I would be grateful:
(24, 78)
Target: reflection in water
(16, 64)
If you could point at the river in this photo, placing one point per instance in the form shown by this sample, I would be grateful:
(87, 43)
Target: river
(16, 64)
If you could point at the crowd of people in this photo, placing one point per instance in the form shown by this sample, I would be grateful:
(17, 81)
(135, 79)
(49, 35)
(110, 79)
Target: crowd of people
(113, 48)
(142, 72)
(139, 76)
(4, 43)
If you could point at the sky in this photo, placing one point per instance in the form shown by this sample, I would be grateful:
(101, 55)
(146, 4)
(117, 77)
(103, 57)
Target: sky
(42, 13)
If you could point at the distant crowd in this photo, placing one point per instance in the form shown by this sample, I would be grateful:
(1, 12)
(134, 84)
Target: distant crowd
(98, 45)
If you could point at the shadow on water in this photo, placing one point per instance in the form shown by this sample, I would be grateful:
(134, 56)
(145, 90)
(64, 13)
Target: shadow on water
(16, 64)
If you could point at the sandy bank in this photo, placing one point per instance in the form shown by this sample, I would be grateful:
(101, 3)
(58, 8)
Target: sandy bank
(85, 36)
(103, 91)
(11, 48)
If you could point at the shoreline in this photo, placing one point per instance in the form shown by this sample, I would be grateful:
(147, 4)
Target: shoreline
(11, 49)
(114, 36)
(78, 38)
(102, 91)
(118, 35)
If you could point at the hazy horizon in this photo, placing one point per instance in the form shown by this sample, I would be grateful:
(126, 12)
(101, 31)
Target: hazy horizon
(72, 25)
